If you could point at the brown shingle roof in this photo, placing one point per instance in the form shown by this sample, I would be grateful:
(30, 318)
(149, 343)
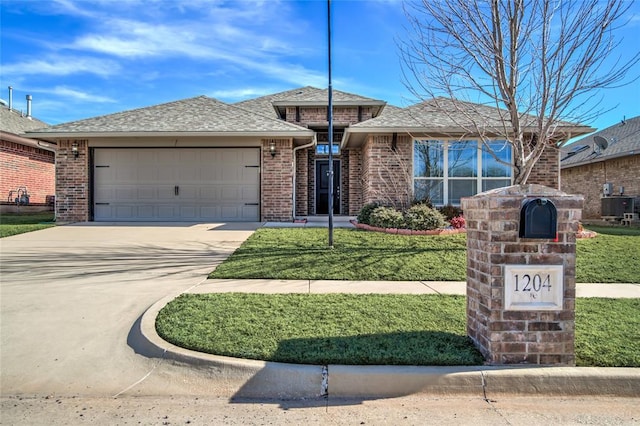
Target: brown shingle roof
(194, 115)
(11, 121)
(623, 139)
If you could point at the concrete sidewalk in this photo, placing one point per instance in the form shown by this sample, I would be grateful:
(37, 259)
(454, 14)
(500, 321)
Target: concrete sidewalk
(242, 378)
(268, 286)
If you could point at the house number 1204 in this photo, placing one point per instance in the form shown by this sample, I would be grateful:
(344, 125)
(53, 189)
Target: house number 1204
(535, 283)
(533, 287)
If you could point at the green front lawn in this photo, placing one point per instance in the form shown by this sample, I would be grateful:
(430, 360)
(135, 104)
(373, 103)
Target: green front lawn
(295, 253)
(373, 329)
(19, 223)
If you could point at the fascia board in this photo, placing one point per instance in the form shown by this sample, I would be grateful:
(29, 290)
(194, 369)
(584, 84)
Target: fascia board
(88, 135)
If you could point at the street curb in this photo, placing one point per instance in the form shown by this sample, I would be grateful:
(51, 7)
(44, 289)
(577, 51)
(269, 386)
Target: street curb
(241, 378)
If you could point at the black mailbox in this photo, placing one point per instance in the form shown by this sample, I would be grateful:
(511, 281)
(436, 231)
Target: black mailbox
(538, 219)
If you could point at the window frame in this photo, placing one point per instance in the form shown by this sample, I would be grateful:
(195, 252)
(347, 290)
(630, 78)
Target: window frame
(479, 178)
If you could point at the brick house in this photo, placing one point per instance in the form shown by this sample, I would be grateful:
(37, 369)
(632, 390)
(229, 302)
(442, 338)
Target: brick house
(266, 159)
(26, 165)
(586, 166)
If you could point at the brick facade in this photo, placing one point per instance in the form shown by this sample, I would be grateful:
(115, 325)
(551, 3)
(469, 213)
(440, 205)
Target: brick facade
(518, 336)
(587, 181)
(547, 170)
(302, 182)
(387, 174)
(277, 181)
(72, 182)
(353, 180)
(29, 167)
(305, 115)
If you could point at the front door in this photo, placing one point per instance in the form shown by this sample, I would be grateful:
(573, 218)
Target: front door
(322, 187)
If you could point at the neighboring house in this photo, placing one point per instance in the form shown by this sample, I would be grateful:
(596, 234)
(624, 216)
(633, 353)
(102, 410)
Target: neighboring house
(587, 165)
(266, 159)
(27, 166)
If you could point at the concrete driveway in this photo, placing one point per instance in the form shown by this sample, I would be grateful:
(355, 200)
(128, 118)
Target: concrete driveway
(70, 296)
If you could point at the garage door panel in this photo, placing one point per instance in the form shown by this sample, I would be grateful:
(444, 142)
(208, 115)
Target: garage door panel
(176, 184)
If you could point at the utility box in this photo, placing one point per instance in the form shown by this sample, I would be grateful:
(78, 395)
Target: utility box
(538, 219)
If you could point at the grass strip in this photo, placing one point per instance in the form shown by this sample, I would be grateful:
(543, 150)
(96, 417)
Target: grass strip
(373, 329)
(20, 223)
(294, 253)
(322, 329)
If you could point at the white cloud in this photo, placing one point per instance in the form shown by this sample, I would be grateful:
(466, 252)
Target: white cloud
(76, 95)
(63, 65)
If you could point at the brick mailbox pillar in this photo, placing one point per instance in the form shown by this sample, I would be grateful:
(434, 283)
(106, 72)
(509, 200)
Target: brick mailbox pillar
(521, 261)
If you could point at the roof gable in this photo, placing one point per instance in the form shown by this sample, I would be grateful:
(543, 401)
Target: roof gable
(308, 96)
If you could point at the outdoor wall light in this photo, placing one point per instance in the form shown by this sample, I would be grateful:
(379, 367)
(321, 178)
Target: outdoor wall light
(74, 149)
(272, 148)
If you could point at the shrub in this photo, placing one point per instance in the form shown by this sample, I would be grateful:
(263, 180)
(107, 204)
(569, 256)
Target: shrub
(425, 202)
(450, 211)
(422, 217)
(458, 222)
(365, 212)
(386, 217)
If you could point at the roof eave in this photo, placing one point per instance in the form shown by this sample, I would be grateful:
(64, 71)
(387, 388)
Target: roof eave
(293, 103)
(88, 135)
(598, 159)
(26, 141)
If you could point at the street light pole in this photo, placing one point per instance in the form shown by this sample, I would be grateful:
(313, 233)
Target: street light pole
(330, 120)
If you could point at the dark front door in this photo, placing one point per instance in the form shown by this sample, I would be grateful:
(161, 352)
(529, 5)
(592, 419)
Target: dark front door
(322, 187)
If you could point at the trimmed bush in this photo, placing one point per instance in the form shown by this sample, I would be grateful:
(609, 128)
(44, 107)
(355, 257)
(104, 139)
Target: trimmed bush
(365, 212)
(450, 211)
(458, 222)
(386, 217)
(422, 217)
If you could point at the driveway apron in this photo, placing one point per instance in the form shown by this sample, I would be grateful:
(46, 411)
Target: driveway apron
(70, 296)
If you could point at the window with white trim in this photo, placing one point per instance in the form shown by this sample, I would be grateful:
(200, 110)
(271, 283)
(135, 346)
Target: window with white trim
(445, 171)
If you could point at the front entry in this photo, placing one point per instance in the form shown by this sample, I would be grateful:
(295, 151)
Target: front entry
(322, 187)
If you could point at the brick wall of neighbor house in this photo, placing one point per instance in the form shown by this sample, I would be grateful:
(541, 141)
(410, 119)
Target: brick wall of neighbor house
(277, 181)
(386, 175)
(302, 182)
(354, 181)
(72, 182)
(587, 181)
(29, 167)
(547, 170)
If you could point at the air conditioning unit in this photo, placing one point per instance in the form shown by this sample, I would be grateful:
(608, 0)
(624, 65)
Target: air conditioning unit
(616, 207)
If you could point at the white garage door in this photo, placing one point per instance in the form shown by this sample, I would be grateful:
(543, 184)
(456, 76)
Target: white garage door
(177, 184)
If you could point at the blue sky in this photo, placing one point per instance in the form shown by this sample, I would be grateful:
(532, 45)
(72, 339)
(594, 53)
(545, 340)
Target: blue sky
(81, 59)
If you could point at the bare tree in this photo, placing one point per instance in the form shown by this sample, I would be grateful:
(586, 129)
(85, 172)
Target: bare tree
(539, 62)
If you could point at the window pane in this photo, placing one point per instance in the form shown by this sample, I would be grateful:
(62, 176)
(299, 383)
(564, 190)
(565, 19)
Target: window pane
(489, 184)
(490, 166)
(323, 149)
(428, 159)
(459, 188)
(431, 189)
(463, 159)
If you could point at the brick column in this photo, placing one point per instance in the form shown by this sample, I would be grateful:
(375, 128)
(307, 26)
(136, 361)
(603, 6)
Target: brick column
(277, 181)
(302, 182)
(72, 182)
(531, 332)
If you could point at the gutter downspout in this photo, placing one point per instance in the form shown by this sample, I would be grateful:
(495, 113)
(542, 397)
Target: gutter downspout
(313, 142)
